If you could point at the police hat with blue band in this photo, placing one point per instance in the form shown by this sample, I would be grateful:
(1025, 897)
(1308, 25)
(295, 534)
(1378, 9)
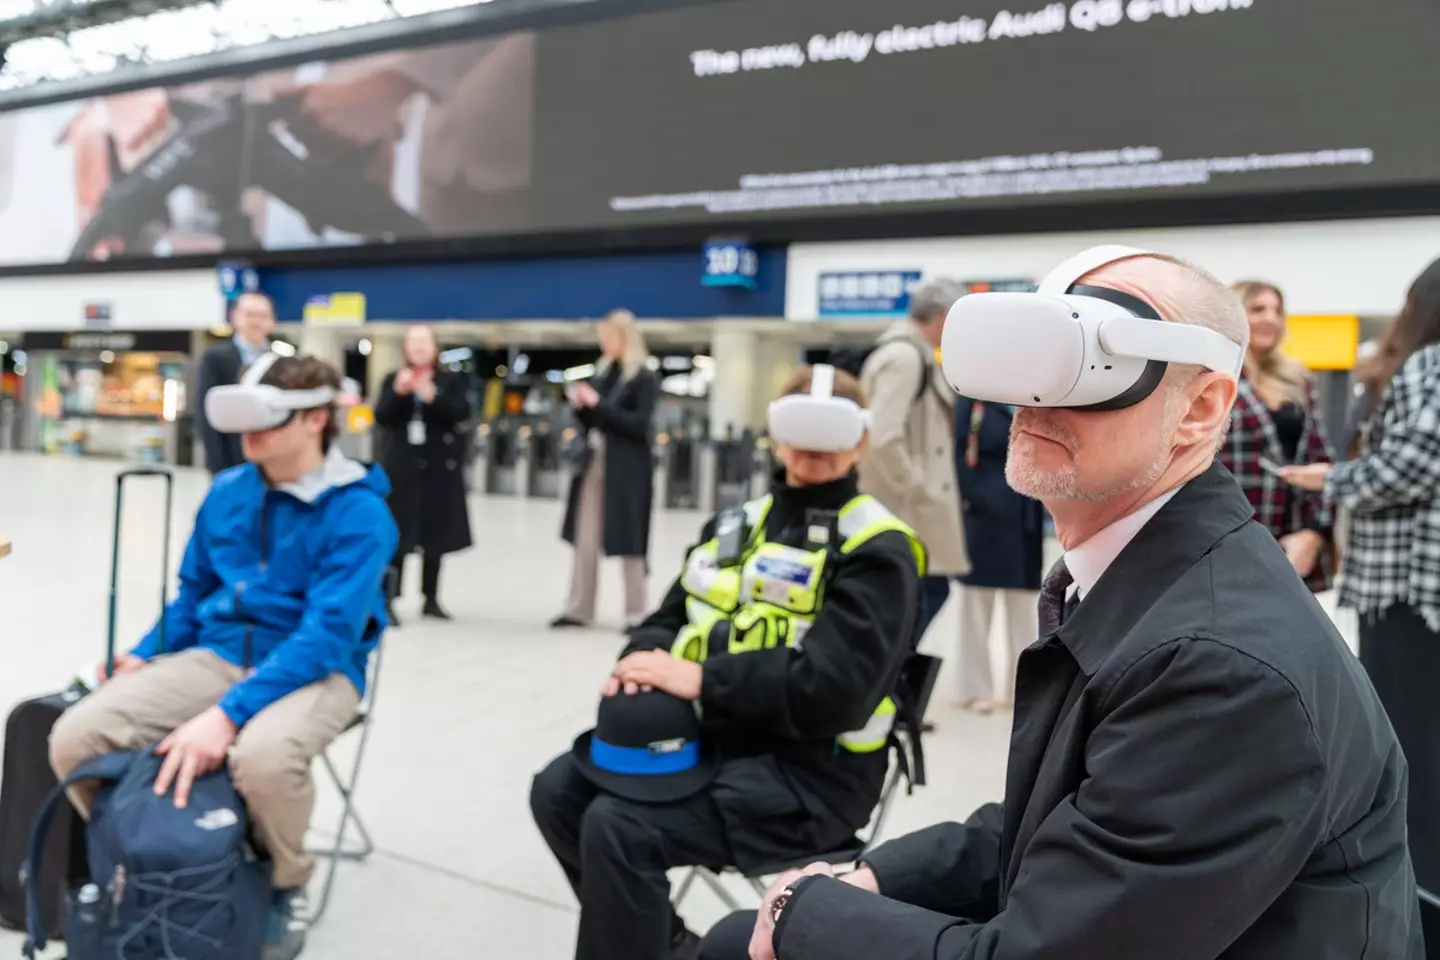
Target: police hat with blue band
(645, 747)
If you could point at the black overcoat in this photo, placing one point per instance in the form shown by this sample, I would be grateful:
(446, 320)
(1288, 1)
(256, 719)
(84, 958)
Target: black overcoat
(625, 416)
(427, 481)
(1199, 770)
(1004, 531)
(219, 367)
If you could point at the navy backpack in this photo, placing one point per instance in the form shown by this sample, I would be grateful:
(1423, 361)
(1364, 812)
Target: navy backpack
(166, 884)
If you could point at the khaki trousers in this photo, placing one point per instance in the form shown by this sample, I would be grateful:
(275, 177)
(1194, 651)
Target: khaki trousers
(270, 761)
(589, 544)
(978, 606)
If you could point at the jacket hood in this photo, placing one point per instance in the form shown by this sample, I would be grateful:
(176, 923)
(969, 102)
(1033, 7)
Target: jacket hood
(335, 471)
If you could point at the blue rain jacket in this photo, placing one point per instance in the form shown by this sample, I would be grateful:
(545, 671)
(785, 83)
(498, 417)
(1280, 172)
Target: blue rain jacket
(288, 580)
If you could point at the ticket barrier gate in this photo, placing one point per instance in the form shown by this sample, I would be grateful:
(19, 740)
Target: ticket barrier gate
(477, 456)
(732, 471)
(732, 474)
(9, 423)
(677, 470)
(550, 462)
(504, 465)
(514, 458)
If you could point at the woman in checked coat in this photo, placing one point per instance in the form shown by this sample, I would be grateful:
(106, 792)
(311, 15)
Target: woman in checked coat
(1276, 419)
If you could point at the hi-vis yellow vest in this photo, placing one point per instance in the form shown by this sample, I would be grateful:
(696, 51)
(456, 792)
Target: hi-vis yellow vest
(772, 596)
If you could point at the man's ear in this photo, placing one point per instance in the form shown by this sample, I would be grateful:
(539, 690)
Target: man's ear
(1211, 395)
(318, 420)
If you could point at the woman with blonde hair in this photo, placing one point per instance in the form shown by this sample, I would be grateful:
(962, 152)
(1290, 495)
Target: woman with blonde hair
(611, 496)
(1276, 420)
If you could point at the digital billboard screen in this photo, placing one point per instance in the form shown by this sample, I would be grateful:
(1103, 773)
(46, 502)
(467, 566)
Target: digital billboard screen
(724, 113)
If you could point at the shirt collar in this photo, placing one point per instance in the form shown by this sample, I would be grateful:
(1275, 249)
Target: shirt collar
(1089, 561)
(248, 353)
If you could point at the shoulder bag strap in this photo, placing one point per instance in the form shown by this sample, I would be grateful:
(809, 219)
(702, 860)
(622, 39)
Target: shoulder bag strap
(108, 768)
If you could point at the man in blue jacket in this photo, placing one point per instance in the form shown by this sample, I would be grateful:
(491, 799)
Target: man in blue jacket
(281, 602)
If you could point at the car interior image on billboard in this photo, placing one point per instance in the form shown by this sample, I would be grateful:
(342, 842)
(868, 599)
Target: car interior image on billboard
(769, 109)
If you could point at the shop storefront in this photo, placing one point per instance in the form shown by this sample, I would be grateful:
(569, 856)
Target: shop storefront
(107, 394)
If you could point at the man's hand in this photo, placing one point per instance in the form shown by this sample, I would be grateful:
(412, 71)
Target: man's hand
(658, 669)
(197, 748)
(762, 941)
(1303, 548)
(405, 381)
(1310, 477)
(425, 387)
(124, 663)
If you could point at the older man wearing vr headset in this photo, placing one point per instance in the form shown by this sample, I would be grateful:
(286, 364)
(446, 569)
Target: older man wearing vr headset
(266, 643)
(1199, 768)
(787, 629)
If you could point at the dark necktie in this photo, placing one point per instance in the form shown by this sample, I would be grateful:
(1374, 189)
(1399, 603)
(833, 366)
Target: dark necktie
(1052, 598)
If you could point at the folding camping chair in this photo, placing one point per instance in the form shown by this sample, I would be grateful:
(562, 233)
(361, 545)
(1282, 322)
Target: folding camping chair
(917, 683)
(341, 849)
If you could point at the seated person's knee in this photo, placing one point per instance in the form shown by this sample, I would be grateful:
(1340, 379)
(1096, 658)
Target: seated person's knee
(547, 787)
(611, 824)
(70, 741)
(262, 768)
(730, 938)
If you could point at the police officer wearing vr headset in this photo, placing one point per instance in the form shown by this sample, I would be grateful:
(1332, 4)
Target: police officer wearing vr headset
(1199, 768)
(787, 631)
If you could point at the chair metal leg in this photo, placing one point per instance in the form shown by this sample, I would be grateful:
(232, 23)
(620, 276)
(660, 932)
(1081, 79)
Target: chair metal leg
(340, 849)
(758, 885)
(684, 889)
(887, 797)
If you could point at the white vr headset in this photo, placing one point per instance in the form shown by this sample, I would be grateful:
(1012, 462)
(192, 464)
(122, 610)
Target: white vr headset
(1070, 344)
(251, 406)
(818, 421)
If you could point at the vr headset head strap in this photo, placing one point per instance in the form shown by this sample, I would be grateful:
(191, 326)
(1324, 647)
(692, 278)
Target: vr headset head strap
(1181, 343)
(822, 380)
(1063, 278)
(257, 370)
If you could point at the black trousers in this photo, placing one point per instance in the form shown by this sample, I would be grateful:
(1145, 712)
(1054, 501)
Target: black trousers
(429, 575)
(615, 854)
(730, 938)
(1402, 656)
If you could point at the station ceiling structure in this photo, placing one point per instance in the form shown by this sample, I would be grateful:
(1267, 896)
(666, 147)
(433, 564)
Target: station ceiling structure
(54, 41)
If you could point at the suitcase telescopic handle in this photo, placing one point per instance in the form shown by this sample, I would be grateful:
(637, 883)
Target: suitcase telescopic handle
(120, 478)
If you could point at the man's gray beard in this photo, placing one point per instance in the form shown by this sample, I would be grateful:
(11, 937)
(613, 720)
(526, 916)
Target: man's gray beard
(1063, 484)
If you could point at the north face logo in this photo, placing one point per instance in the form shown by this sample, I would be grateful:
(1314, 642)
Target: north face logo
(218, 819)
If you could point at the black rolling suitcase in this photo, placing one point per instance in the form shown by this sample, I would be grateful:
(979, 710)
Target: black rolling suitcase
(27, 777)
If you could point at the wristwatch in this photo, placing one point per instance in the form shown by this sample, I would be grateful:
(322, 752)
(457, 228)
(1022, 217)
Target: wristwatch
(778, 904)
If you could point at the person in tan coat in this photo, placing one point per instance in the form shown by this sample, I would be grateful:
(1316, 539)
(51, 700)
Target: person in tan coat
(910, 466)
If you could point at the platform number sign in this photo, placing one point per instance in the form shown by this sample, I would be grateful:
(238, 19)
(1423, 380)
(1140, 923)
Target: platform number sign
(729, 263)
(236, 279)
(870, 293)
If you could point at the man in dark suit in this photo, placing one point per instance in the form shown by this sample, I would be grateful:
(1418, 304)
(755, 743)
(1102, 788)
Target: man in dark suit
(252, 317)
(1199, 768)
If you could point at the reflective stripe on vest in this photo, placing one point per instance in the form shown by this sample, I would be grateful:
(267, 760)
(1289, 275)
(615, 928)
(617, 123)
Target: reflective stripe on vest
(876, 732)
(772, 597)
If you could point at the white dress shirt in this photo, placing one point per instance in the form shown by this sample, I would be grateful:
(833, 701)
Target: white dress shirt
(249, 353)
(1091, 559)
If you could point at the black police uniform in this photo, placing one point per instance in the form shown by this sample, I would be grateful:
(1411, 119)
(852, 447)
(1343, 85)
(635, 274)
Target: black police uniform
(1199, 769)
(783, 790)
